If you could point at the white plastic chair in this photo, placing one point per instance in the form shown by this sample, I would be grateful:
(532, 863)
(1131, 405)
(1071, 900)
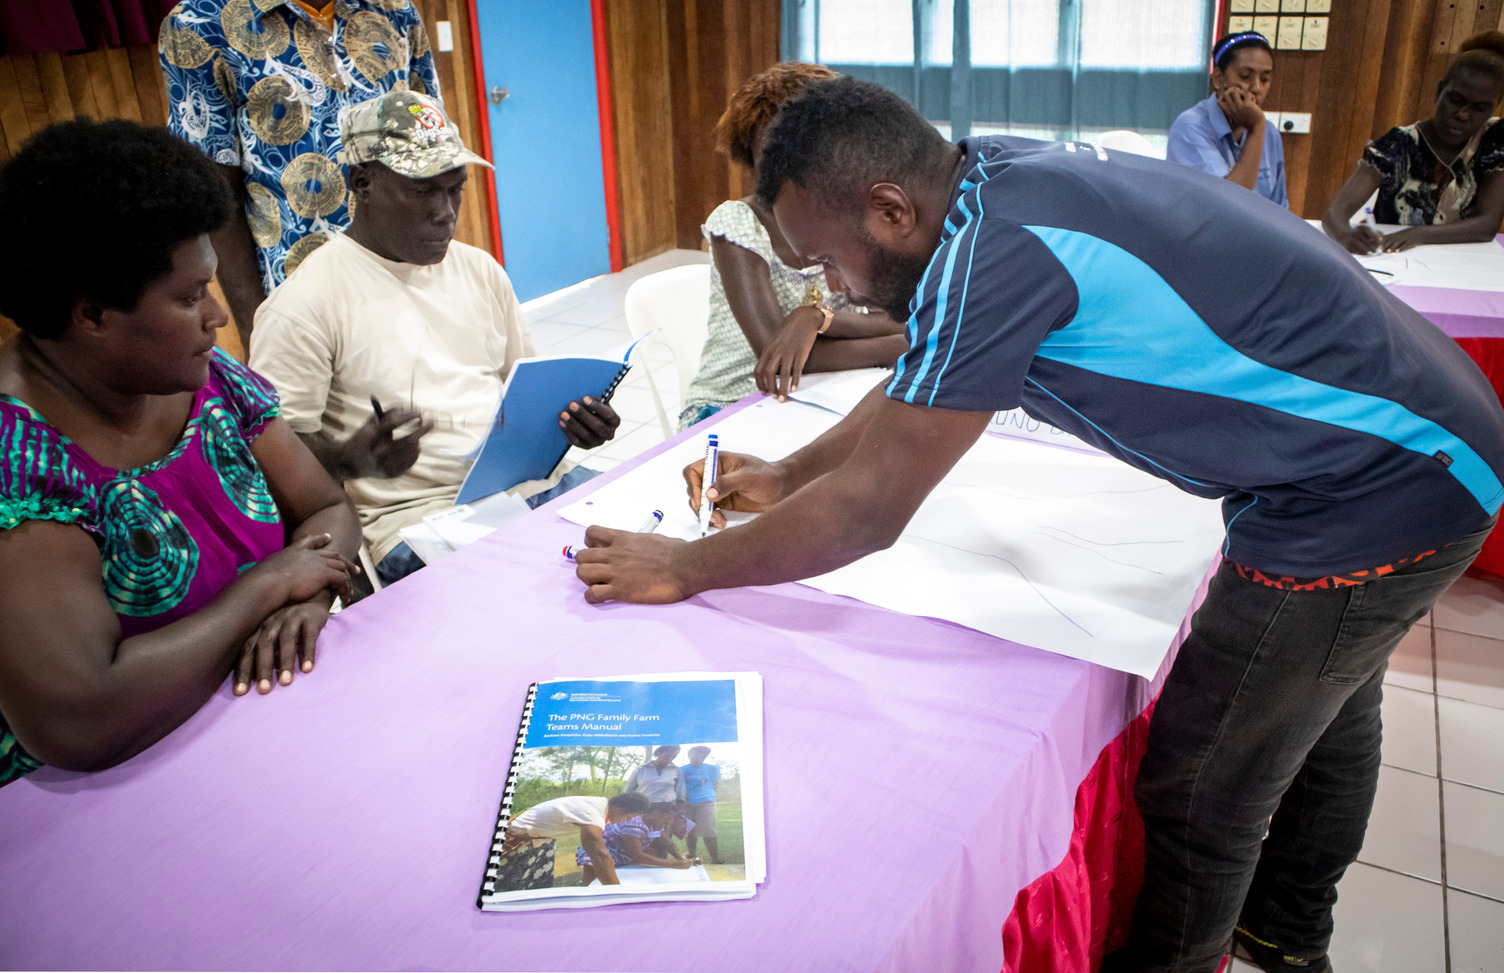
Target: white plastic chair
(674, 306)
(1126, 140)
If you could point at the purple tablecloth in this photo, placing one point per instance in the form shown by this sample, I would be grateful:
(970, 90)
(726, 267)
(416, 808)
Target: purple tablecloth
(919, 774)
(1460, 313)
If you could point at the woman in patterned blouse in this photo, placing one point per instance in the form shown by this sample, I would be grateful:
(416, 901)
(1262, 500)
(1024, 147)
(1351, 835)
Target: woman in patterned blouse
(1442, 179)
(160, 527)
(771, 317)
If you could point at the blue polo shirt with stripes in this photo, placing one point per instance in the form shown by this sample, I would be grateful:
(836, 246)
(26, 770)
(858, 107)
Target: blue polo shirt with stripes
(1208, 337)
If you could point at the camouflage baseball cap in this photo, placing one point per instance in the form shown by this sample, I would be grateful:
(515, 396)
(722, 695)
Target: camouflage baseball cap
(406, 132)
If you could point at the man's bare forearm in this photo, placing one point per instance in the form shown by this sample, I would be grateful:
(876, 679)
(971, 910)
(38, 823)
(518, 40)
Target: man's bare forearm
(239, 273)
(854, 324)
(832, 448)
(331, 456)
(844, 353)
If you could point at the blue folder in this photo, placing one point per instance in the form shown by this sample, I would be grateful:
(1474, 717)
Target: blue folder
(526, 442)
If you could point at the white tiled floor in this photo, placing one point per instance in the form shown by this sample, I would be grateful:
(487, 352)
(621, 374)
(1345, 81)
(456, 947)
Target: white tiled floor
(588, 319)
(1428, 892)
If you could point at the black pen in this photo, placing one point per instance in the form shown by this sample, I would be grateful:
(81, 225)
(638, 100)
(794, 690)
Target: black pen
(376, 405)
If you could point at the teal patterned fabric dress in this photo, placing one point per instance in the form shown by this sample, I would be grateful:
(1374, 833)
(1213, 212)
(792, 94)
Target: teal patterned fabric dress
(172, 533)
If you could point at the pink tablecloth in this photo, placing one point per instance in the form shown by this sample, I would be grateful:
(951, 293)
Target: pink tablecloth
(919, 776)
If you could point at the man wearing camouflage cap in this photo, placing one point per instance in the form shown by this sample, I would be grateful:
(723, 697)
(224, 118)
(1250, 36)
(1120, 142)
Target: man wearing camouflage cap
(394, 311)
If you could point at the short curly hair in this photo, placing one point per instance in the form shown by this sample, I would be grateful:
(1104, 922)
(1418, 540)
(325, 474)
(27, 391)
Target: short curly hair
(1482, 53)
(93, 211)
(757, 101)
(841, 137)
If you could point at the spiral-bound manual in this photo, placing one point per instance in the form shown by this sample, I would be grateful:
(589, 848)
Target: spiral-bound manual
(504, 816)
(526, 441)
(632, 789)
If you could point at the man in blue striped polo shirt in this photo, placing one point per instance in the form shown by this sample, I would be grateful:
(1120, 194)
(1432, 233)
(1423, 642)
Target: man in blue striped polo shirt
(1199, 333)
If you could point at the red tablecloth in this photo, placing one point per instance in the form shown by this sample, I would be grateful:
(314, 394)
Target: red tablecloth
(1489, 354)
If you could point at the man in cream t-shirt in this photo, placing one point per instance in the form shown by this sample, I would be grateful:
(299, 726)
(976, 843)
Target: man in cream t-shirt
(393, 312)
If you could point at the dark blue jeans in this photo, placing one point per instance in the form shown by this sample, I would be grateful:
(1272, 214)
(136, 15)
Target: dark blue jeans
(1269, 721)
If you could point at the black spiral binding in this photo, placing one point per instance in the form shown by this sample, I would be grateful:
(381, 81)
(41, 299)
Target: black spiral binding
(621, 373)
(504, 816)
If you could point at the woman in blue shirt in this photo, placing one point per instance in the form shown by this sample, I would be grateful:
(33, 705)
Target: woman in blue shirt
(1225, 134)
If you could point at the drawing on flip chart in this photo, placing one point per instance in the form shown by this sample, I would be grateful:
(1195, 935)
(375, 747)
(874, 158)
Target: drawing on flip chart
(1067, 550)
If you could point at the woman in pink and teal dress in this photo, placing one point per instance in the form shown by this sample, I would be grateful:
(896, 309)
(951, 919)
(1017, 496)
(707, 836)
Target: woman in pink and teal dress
(160, 527)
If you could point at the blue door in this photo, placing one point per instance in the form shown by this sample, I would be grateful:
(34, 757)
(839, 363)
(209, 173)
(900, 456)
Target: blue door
(545, 141)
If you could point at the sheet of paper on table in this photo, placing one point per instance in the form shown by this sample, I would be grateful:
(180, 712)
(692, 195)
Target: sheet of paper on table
(1459, 266)
(1456, 266)
(440, 534)
(1069, 551)
(1020, 425)
(839, 391)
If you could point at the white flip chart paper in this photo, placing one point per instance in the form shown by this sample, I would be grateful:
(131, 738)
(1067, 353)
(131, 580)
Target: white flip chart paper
(1068, 551)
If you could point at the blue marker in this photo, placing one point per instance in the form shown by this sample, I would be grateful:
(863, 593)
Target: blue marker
(707, 478)
(648, 526)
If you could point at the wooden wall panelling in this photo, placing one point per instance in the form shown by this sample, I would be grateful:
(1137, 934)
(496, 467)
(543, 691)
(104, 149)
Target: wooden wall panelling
(1357, 65)
(1287, 93)
(759, 23)
(54, 82)
(700, 62)
(151, 91)
(1410, 25)
(80, 86)
(673, 65)
(13, 116)
(456, 70)
(641, 94)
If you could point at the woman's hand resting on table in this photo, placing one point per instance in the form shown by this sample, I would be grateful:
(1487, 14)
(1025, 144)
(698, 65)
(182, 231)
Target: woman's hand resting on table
(1400, 240)
(308, 574)
(1362, 239)
(781, 363)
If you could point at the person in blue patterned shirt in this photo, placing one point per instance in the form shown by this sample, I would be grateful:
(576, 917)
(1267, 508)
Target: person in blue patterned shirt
(259, 86)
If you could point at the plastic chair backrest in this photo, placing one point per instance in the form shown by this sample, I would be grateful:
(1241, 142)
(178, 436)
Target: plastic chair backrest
(1126, 140)
(676, 304)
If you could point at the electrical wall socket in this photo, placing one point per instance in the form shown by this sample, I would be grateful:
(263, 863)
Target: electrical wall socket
(1314, 38)
(1239, 25)
(1287, 36)
(1290, 122)
(446, 35)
